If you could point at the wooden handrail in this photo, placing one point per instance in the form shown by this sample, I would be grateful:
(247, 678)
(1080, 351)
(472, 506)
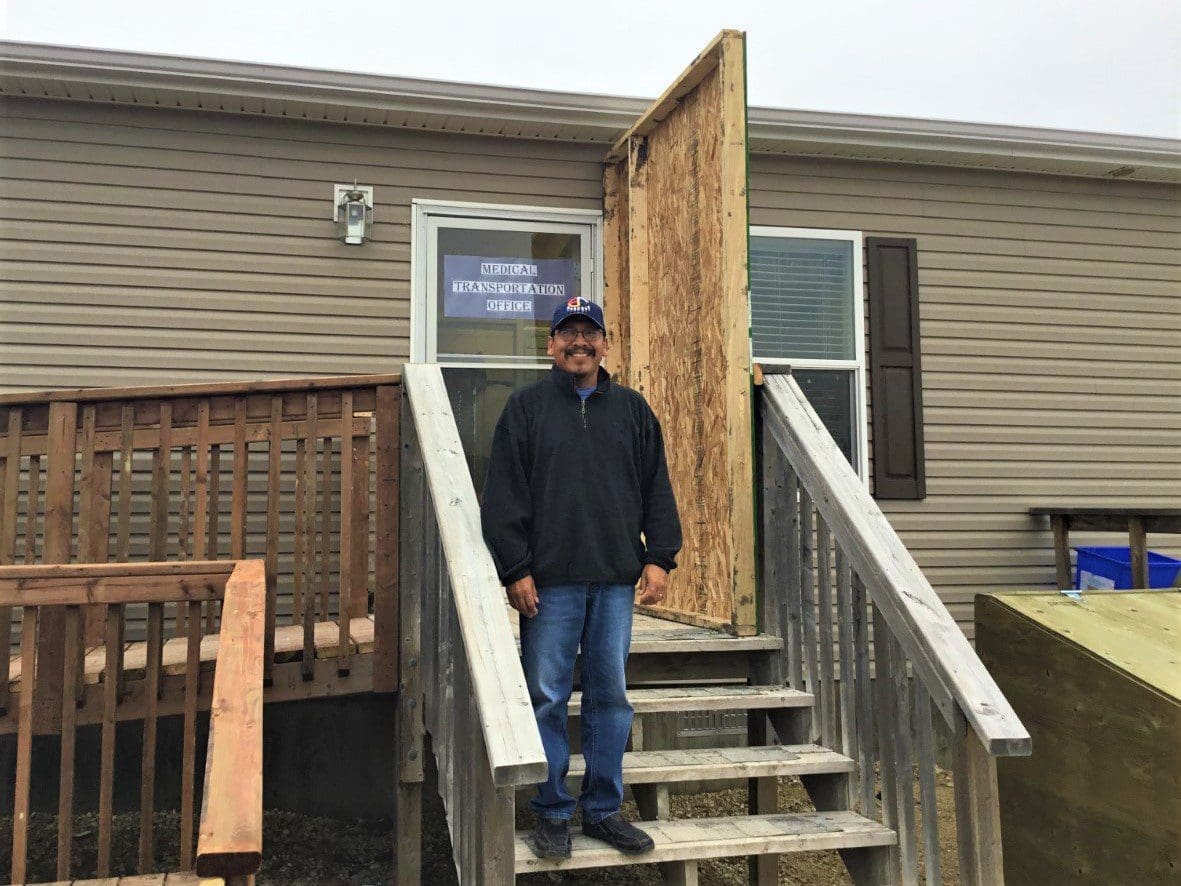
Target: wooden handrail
(230, 839)
(206, 389)
(513, 743)
(928, 635)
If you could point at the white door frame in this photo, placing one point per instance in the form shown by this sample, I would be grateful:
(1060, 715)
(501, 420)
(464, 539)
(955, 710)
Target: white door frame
(425, 216)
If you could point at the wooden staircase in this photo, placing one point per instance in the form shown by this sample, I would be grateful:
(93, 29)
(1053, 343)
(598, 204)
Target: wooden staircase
(859, 664)
(782, 714)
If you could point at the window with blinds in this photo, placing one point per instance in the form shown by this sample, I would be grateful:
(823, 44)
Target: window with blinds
(806, 313)
(801, 298)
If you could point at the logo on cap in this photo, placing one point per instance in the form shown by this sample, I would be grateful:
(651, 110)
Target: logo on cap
(577, 304)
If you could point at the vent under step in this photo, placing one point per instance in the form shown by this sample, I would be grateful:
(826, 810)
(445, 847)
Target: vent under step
(697, 838)
(707, 698)
(715, 764)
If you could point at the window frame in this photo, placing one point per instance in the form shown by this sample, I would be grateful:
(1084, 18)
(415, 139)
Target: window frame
(860, 417)
(423, 346)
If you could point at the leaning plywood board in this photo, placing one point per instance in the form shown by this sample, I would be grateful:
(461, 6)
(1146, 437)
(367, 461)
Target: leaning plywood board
(676, 301)
(1098, 683)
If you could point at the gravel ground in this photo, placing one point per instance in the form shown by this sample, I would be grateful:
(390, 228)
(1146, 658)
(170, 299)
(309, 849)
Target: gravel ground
(304, 851)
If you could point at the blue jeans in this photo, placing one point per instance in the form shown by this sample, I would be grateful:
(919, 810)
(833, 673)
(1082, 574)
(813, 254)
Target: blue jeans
(599, 618)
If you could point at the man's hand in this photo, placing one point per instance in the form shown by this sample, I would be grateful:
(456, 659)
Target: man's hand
(653, 585)
(522, 596)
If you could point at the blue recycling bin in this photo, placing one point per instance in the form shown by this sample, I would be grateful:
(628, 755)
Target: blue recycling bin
(1110, 568)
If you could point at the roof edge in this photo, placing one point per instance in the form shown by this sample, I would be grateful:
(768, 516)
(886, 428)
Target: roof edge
(588, 117)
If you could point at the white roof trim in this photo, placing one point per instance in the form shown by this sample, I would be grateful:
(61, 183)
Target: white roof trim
(48, 71)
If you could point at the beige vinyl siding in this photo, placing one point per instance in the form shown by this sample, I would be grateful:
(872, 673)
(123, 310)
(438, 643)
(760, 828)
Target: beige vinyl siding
(1051, 347)
(143, 246)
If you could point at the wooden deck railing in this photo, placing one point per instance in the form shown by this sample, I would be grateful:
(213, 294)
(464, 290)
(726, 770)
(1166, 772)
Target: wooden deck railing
(842, 580)
(302, 473)
(470, 690)
(230, 842)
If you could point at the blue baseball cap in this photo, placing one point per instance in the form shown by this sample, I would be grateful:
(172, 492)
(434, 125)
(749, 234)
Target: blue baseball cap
(578, 307)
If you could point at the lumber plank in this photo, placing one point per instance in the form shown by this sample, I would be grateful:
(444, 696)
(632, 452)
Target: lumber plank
(864, 700)
(201, 482)
(925, 759)
(299, 548)
(903, 766)
(714, 764)
(214, 533)
(274, 460)
(706, 698)
(188, 770)
(110, 700)
(1061, 527)
(808, 601)
(386, 534)
(147, 798)
(71, 664)
(126, 458)
(848, 680)
(58, 531)
(9, 496)
(202, 389)
(24, 749)
(161, 481)
(32, 508)
(309, 523)
(324, 522)
(701, 838)
(230, 841)
(345, 571)
(887, 702)
(414, 509)
(1138, 548)
(358, 599)
(825, 698)
(977, 809)
(112, 589)
(239, 491)
(84, 572)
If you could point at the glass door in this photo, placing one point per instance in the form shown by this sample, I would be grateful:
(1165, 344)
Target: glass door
(488, 281)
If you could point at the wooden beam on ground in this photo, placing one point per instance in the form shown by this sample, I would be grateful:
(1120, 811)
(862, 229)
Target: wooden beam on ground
(230, 841)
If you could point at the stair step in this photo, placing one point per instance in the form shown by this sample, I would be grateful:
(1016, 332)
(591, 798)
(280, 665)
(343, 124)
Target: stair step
(707, 698)
(714, 764)
(697, 838)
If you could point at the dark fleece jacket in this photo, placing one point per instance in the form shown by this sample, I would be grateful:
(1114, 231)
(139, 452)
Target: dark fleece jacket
(572, 485)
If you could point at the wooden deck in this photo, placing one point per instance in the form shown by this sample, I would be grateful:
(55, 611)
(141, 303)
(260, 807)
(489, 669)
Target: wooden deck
(288, 647)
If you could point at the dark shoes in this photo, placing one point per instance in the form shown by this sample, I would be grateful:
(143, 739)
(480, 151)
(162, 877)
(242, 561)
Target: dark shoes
(622, 835)
(551, 838)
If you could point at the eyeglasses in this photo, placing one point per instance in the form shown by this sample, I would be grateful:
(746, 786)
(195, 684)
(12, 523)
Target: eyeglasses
(592, 336)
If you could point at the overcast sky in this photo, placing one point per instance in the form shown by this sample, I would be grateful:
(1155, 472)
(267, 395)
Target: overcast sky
(1070, 64)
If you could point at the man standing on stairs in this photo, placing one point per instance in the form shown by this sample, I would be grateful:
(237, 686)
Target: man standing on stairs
(577, 508)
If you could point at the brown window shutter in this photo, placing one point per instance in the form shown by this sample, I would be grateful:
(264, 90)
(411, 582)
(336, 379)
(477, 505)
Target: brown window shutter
(899, 465)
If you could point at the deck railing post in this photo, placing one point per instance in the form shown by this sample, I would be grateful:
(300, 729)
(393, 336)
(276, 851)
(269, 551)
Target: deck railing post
(413, 514)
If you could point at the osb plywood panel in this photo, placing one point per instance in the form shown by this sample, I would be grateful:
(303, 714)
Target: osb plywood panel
(677, 304)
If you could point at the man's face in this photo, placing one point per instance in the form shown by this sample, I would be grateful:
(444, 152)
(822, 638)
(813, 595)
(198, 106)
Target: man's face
(577, 346)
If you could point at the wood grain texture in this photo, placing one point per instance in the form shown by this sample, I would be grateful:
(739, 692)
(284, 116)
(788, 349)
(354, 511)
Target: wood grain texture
(1098, 685)
(678, 211)
(700, 838)
(230, 837)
